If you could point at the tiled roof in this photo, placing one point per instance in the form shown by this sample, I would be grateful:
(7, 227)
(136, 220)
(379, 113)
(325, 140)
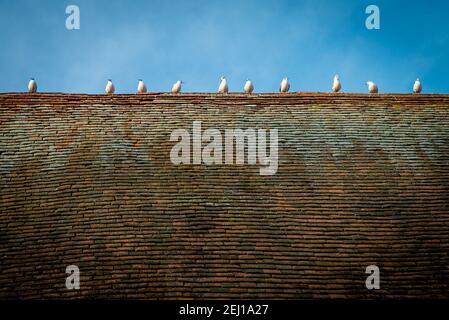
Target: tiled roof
(87, 180)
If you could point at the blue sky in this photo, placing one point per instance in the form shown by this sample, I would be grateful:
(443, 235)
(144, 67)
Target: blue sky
(198, 41)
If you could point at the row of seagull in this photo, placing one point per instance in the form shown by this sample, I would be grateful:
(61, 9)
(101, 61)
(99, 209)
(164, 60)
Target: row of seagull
(223, 86)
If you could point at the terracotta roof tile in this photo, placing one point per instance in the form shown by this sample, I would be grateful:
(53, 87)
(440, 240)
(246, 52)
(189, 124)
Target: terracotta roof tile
(87, 180)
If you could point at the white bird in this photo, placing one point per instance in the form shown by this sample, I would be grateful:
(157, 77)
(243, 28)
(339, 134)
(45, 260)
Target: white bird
(177, 86)
(109, 87)
(372, 87)
(32, 86)
(248, 86)
(417, 87)
(285, 86)
(141, 87)
(336, 86)
(223, 88)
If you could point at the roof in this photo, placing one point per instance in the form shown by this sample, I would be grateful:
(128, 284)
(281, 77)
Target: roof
(87, 180)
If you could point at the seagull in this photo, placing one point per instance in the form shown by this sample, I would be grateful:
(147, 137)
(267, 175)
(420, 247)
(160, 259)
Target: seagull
(141, 87)
(248, 86)
(177, 86)
(417, 87)
(223, 88)
(109, 87)
(32, 86)
(285, 86)
(372, 87)
(336, 86)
